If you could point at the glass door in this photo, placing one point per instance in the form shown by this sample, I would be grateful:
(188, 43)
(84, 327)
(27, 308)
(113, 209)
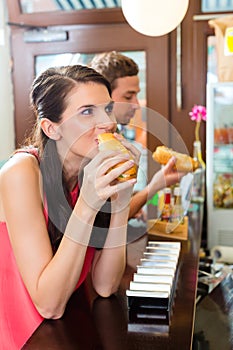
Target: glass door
(220, 163)
(223, 146)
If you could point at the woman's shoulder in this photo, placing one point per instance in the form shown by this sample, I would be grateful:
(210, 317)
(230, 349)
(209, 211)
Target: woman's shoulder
(20, 179)
(21, 162)
(27, 150)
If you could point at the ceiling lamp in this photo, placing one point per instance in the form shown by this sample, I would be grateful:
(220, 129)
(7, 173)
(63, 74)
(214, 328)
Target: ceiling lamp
(154, 17)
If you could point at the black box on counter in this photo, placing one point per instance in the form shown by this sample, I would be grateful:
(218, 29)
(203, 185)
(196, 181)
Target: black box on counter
(151, 292)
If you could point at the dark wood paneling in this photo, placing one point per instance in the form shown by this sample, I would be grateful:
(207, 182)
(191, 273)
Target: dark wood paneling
(190, 80)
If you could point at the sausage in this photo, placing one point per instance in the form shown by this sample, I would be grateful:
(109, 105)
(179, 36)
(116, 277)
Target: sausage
(184, 163)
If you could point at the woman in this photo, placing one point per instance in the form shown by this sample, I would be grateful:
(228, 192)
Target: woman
(51, 195)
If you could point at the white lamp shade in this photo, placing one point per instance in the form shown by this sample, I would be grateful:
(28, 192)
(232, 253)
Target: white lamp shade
(154, 17)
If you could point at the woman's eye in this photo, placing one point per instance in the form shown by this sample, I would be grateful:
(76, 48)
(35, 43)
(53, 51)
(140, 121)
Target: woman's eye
(109, 108)
(87, 111)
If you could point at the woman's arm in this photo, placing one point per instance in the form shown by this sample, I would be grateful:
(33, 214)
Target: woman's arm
(51, 279)
(109, 263)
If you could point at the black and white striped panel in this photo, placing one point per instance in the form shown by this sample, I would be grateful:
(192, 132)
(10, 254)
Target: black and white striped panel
(86, 4)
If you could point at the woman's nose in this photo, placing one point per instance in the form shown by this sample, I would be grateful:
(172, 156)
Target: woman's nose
(105, 119)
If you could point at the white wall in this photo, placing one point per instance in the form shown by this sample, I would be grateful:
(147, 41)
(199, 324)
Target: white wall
(6, 91)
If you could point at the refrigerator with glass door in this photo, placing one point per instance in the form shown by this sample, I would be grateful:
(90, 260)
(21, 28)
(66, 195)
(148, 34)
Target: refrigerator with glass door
(219, 164)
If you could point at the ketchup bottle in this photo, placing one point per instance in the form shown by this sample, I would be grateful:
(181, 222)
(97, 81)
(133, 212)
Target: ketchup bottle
(166, 214)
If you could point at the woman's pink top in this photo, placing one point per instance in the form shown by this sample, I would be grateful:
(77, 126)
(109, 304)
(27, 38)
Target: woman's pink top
(18, 316)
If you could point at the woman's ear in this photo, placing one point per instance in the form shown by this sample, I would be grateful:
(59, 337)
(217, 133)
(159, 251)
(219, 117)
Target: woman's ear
(50, 129)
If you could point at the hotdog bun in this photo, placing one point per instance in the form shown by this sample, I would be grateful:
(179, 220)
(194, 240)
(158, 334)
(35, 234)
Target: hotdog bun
(108, 141)
(184, 163)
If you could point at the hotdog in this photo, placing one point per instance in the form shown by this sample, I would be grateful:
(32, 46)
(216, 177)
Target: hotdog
(184, 163)
(107, 141)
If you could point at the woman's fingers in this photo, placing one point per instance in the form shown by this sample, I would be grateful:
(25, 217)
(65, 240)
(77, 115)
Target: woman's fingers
(99, 181)
(111, 162)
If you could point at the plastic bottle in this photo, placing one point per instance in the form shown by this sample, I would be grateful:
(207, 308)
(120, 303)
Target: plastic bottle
(178, 210)
(166, 214)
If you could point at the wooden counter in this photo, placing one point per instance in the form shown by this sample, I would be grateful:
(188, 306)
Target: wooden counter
(95, 323)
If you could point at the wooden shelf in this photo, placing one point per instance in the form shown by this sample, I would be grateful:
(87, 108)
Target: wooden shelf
(170, 230)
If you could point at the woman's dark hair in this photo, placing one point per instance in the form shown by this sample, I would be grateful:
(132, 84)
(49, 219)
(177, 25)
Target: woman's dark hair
(48, 100)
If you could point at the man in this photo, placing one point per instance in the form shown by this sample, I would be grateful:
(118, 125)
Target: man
(122, 73)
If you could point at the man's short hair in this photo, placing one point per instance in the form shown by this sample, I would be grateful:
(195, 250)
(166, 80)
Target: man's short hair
(113, 65)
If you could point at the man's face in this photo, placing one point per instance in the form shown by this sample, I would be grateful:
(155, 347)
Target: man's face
(125, 94)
